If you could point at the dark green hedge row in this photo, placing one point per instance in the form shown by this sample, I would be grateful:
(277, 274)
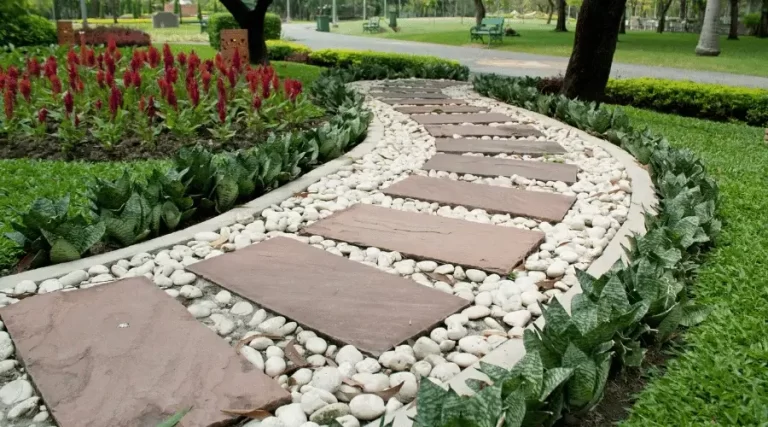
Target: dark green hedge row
(225, 21)
(26, 30)
(684, 98)
(618, 316)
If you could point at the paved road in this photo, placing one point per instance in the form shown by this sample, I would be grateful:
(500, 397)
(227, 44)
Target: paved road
(504, 62)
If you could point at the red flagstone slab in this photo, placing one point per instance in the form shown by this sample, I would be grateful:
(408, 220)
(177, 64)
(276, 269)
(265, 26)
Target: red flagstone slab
(415, 101)
(435, 119)
(423, 83)
(491, 166)
(342, 299)
(400, 95)
(477, 130)
(441, 109)
(498, 146)
(125, 354)
(423, 236)
(493, 199)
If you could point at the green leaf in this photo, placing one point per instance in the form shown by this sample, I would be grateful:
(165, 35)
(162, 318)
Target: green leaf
(553, 378)
(174, 419)
(63, 251)
(484, 408)
(670, 323)
(430, 401)
(514, 408)
(171, 215)
(495, 373)
(694, 314)
(581, 387)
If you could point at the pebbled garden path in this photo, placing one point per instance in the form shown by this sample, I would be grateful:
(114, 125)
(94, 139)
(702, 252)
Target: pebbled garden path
(75, 344)
(504, 62)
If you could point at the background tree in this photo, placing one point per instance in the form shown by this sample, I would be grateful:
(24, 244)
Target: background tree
(623, 23)
(663, 8)
(551, 11)
(479, 11)
(709, 43)
(562, 16)
(253, 21)
(594, 44)
(762, 29)
(733, 32)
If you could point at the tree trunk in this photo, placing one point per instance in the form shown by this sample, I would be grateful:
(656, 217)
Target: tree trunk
(683, 10)
(709, 43)
(623, 24)
(551, 11)
(479, 12)
(762, 29)
(597, 31)
(253, 21)
(561, 17)
(733, 33)
(663, 17)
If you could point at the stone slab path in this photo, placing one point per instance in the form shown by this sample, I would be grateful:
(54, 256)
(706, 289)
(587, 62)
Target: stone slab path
(416, 101)
(440, 119)
(344, 300)
(492, 166)
(482, 246)
(440, 109)
(506, 131)
(532, 204)
(407, 89)
(125, 354)
(530, 147)
(407, 95)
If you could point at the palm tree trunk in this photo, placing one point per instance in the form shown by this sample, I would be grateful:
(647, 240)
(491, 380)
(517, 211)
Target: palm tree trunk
(709, 43)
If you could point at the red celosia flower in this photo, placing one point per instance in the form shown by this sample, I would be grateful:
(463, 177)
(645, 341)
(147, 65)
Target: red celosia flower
(11, 85)
(194, 92)
(42, 115)
(111, 44)
(51, 67)
(256, 102)
(13, 72)
(100, 61)
(127, 78)
(237, 61)
(109, 79)
(232, 77)
(100, 78)
(72, 58)
(171, 75)
(220, 89)
(55, 85)
(220, 65)
(110, 62)
(98, 104)
(153, 56)
(80, 85)
(163, 85)
(73, 76)
(136, 60)
(90, 58)
(25, 87)
(115, 100)
(167, 56)
(33, 67)
(142, 103)
(206, 77)
(151, 108)
(69, 103)
(208, 65)
(193, 61)
(9, 99)
(137, 79)
(182, 58)
(172, 101)
(275, 82)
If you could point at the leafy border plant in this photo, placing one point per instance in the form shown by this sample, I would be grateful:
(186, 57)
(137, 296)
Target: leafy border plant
(617, 316)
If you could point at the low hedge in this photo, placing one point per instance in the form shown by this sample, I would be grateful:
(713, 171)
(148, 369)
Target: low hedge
(225, 21)
(684, 98)
(638, 303)
(279, 50)
(123, 37)
(27, 30)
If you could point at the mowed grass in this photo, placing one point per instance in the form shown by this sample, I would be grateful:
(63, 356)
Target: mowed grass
(721, 377)
(24, 180)
(748, 55)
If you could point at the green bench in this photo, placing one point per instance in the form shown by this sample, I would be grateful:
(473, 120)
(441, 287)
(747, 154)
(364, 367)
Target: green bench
(203, 25)
(372, 26)
(491, 27)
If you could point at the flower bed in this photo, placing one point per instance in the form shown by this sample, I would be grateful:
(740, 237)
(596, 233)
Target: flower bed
(122, 36)
(106, 105)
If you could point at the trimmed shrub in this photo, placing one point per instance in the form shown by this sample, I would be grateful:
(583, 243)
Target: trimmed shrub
(365, 65)
(281, 50)
(752, 22)
(27, 30)
(123, 37)
(225, 21)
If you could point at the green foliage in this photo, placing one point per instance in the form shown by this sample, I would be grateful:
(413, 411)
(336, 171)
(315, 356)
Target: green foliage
(25, 29)
(616, 315)
(379, 65)
(752, 22)
(218, 22)
(280, 50)
(174, 419)
(272, 27)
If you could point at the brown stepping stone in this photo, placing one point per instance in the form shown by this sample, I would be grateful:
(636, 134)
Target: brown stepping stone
(407, 89)
(441, 109)
(423, 236)
(491, 166)
(423, 83)
(342, 299)
(435, 119)
(498, 146)
(421, 101)
(493, 199)
(125, 354)
(400, 95)
(477, 130)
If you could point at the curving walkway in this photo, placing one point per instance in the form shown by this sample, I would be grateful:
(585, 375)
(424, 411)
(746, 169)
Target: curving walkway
(435, 249)
(504, 62)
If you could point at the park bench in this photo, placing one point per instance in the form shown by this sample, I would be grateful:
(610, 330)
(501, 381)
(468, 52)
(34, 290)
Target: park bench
(372, 26)
(491, 27)
(203, 25)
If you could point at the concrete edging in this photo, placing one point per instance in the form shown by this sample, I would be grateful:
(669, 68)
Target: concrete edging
(643, 200)
(374, 135)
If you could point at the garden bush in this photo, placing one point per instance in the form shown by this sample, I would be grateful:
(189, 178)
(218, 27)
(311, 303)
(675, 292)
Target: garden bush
(638, 303)
(752, 22)
(368, 65)
(26, 30)
(280, 50)
(122, 36)
(225, 21)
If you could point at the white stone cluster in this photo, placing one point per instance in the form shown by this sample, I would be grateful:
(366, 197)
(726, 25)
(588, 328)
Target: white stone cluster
(341, 382)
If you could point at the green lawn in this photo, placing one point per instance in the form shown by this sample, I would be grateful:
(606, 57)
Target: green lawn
(22, 181)
(749, 55)
(722, 376)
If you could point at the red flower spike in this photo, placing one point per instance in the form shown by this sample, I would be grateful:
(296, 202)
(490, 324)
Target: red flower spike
(172, 100)
(275, 82)
(98, 104)
(142, 104)
(221, 107)
(220, 89)
(193, 62)
(127, 78)
(42, 115)
(153, 56)
(100, 78)
(77, 120)
(90, 58)
(222, 67)
(163, 85)
(237, 61)
(194, 92)
(256, 102)
(33, 67)
(208, 65)
(111, 44)
(13, 72)
(110, 63)
(72, 58)
(55, 85)
(137, 80)
(167, 56)
(232, 76)
(110, 79)
(69, 103)
(51, 67)
(80, 85)
(206, 78)
(9, 99)
(182, 58)
(115, 100)
(100, 61)
(151, 108)
(25, 87)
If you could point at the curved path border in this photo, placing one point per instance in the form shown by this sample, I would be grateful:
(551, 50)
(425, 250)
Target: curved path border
(643, 200)
(255, 206)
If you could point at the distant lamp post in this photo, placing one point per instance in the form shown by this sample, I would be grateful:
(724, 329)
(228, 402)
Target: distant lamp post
(287, 10)
(333, 14)
(84, 12)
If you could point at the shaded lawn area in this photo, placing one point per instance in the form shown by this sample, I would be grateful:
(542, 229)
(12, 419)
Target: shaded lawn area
(749, 55)
(24, 180)
(721, 376)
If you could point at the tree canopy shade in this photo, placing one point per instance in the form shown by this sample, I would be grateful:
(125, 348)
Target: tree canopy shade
(253, 21)
(597, 31)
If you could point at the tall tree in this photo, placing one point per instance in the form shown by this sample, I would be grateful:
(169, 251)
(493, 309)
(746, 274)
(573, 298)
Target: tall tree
(597, 31)
(733, 32)
(762, 29)
(623, 24)
(551, 11)
(709, 43)
(253, 21)
(479, 11)
(561, 16)
(665, 4)
(683, 10)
